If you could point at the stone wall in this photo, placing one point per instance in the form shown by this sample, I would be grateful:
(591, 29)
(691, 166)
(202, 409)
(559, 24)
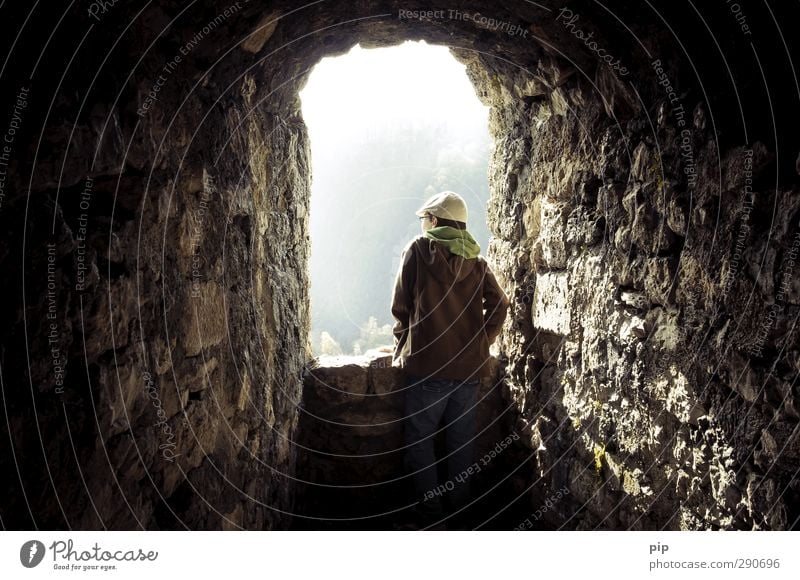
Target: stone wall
(152, 365)
(652, 352)
(155, 248)
(350, 472)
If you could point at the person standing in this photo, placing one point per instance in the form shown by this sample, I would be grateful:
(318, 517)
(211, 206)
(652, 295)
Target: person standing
(448, 309)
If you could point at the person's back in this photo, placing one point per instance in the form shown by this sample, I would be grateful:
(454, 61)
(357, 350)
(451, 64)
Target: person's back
(440, 297)
(442, 337)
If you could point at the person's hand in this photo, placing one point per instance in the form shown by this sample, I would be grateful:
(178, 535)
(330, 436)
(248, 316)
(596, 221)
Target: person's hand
(389, 349)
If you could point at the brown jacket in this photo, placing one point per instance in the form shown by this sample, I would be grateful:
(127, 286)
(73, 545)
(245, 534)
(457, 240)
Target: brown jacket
(441, 330)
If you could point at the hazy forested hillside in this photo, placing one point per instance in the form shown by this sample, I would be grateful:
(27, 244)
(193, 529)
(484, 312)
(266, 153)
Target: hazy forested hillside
(363, 202)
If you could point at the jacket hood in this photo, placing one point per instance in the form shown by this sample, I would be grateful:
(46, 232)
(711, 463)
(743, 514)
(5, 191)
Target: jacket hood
(444, 265)
(456, 240)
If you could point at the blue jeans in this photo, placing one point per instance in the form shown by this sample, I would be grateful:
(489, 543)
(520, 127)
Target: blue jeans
(427, 402)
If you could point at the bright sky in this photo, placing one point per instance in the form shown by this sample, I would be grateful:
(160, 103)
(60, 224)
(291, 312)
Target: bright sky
(414, 82)
(354, 105)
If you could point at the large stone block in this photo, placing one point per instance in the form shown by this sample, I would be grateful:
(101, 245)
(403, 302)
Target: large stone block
(550, 303)
(337, 380)
(204, 321)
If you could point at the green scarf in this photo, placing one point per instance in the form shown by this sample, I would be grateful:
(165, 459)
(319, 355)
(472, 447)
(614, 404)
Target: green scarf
(459, 242)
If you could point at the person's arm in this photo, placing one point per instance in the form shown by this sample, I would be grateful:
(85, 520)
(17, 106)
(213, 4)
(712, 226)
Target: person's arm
(403, 298)
(496, 304)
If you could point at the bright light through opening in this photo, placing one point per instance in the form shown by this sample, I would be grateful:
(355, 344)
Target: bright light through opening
(389, 127)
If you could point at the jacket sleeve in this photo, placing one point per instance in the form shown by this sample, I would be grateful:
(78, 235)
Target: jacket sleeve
(496, 304)
(403, 297)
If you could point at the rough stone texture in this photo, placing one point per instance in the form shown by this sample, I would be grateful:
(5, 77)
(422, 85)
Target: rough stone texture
(550, 310)
(661, 375)
(350, 471)
(670, 401)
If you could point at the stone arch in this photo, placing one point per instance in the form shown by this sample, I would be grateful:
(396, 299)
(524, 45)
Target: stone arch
(592, 207)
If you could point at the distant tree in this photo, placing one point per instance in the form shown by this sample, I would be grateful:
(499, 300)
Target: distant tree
(362, 213)
(372, 336)
(328, 345)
